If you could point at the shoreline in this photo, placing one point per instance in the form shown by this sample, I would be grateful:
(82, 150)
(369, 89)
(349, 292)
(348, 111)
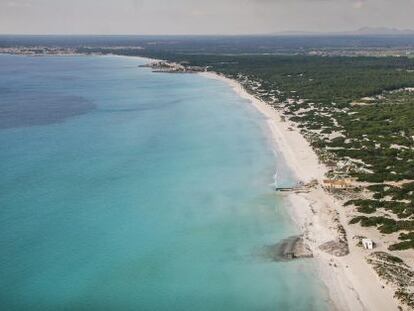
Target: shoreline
(351, 283)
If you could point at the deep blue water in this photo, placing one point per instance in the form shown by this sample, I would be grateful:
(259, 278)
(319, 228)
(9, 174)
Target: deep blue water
(122, 189)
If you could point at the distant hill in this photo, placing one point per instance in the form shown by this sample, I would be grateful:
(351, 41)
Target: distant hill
(382, 31)
(364, 31)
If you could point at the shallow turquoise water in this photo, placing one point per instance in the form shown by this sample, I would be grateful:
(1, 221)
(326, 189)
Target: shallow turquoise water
(122, 189)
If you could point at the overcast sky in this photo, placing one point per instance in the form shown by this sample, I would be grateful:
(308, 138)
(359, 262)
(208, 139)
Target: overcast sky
(200, 16)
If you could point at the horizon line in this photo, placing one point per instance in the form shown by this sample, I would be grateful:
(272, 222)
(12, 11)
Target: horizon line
(276, 34)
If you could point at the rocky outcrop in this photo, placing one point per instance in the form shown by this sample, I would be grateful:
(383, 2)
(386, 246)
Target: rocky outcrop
(288, 249)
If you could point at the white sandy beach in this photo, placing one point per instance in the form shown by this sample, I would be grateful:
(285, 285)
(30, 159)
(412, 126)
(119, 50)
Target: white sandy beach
(352, 284)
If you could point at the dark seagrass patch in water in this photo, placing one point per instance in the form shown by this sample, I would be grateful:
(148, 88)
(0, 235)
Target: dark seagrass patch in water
(30, 109)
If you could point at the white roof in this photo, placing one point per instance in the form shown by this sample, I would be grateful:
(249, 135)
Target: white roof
(367, 240)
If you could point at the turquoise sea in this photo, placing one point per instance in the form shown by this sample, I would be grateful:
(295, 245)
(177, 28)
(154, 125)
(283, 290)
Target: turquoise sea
(123, 189)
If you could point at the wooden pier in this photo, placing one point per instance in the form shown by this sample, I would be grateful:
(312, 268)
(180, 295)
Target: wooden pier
(283, 189)
(300, 186)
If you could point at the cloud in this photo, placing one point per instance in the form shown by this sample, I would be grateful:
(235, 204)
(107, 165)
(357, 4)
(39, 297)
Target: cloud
(198, 12)
(200, 16)
(19, 3)
(358, 4)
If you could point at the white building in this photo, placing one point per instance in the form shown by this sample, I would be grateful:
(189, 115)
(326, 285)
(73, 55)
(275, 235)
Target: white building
(367, 244)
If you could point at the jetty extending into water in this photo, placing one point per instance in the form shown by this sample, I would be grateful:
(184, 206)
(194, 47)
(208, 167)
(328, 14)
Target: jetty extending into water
(300, 186)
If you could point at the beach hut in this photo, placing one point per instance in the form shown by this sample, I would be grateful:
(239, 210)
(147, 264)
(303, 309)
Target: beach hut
(367, 243)
(335, 184)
